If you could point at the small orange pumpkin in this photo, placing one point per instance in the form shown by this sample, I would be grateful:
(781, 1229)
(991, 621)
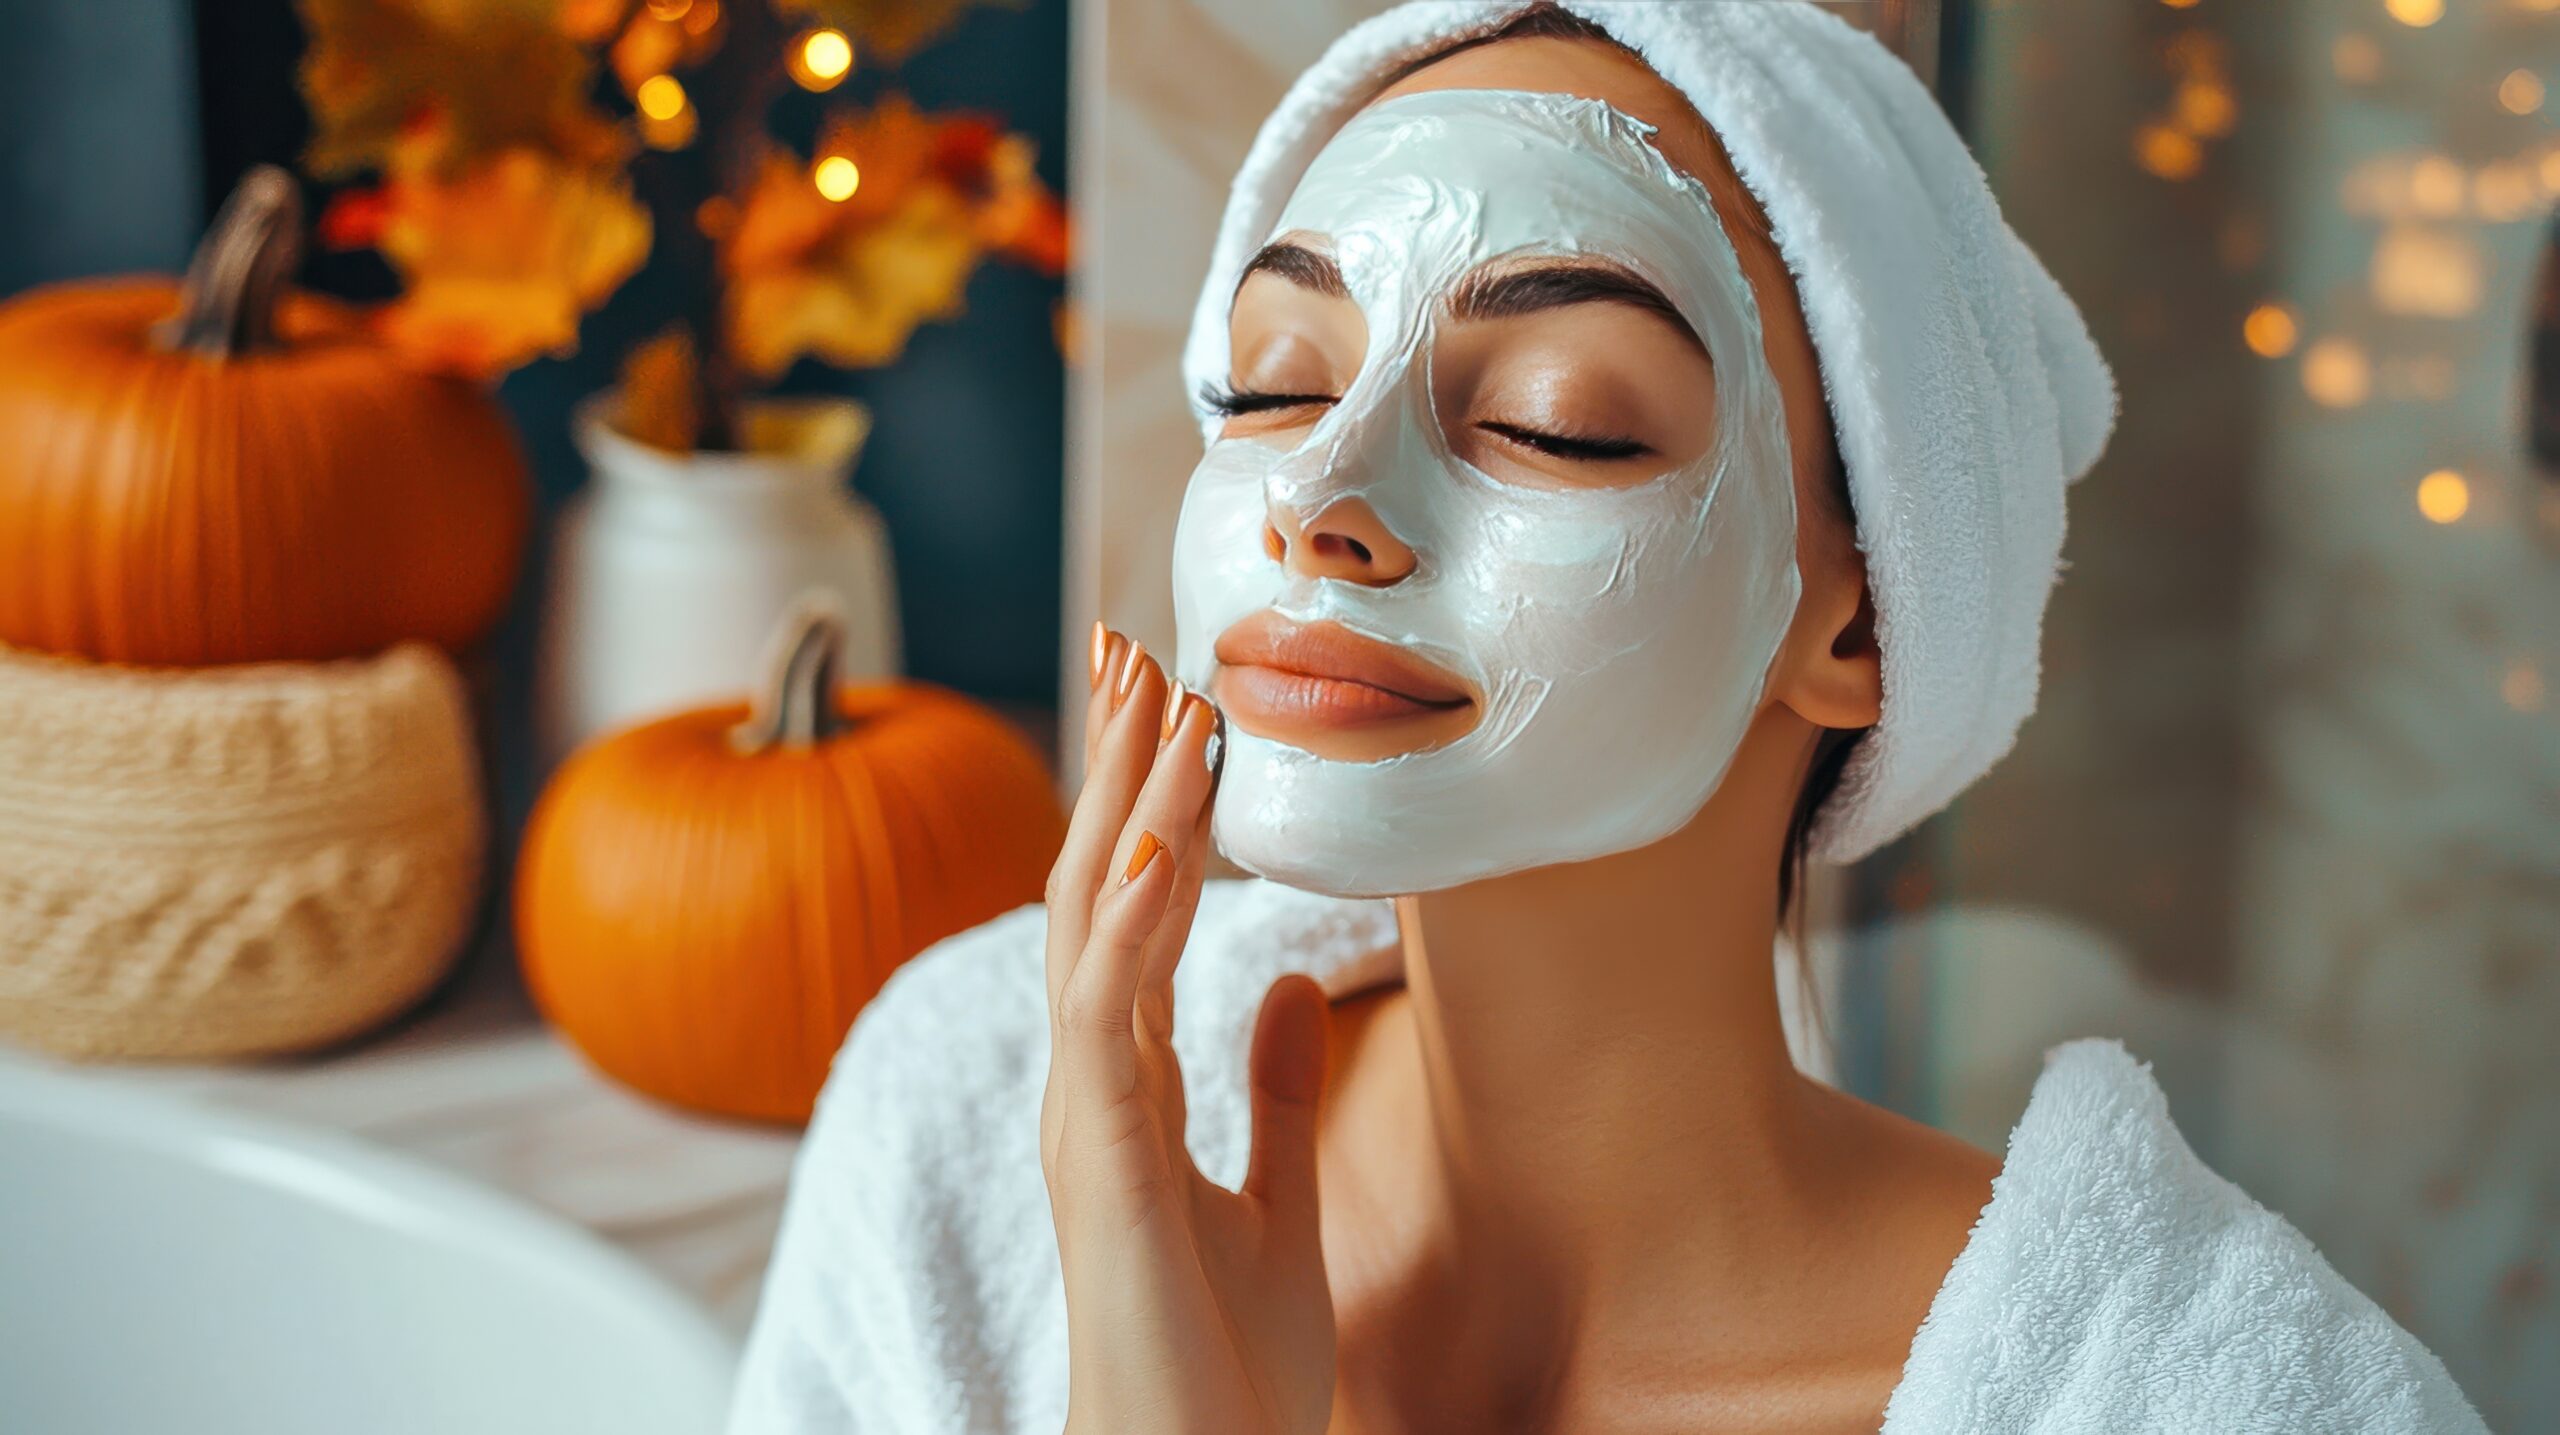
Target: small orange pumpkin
(220, 471)
(705, 902)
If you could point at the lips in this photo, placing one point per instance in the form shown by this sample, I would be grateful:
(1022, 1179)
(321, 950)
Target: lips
(1310, 684)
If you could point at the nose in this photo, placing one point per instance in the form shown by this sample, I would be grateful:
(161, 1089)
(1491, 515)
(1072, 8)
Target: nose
(1345, 541)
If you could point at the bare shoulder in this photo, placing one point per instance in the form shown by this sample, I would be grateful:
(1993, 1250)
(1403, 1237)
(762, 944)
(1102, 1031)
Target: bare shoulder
(1909, 1199)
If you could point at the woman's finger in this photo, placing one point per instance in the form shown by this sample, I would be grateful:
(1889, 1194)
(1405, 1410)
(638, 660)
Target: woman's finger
(1096, 1031)
(1288, 1079)
(1177, 786)
(1102, 661)
(1129, 695)
(1164, 949)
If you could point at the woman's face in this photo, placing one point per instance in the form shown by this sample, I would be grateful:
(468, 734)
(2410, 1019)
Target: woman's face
(1494, 548)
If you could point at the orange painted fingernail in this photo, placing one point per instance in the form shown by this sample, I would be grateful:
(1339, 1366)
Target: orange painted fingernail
(1101, 651)
(1148, 847)
(1172, 713)
(1128, 679)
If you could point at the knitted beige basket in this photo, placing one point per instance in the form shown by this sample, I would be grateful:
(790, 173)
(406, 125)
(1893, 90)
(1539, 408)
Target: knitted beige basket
(229, 861)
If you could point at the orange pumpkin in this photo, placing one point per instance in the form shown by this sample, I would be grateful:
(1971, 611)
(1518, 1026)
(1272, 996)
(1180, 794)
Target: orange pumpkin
(222, 471)
(705, 902)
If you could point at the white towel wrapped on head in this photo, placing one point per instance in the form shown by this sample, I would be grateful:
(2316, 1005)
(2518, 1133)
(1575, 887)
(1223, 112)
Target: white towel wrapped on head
(1964, 387)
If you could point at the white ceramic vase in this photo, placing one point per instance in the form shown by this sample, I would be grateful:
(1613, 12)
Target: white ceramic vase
(670, 570)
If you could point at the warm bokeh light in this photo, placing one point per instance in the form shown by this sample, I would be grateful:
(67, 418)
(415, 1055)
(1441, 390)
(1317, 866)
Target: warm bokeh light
(2520, 92)
(2357, 59)
(659, 97)
(2426, 272)
(2336, 372)
(2270, 331)
(669, 9)
(821, 59)
(2504, 192)
(836, 178)
(2207, 108)
(2436, 184)
(2418, 13)
(2179, 4)
(2523, 688)
(2443, 496)
(2167, 152)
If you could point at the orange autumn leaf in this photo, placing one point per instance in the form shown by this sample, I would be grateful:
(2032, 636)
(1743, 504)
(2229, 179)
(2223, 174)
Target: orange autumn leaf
(590, 22)
(452, 81)
(1020, 216)
(860, 296)
(850, 279)
(499, 263)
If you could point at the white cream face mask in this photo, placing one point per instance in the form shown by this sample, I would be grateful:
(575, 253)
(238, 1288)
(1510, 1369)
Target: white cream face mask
(1620, 637)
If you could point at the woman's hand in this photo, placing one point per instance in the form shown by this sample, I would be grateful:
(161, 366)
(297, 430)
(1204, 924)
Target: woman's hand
(1191, 1310)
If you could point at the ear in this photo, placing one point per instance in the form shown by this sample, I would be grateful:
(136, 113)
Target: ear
(1835, 677)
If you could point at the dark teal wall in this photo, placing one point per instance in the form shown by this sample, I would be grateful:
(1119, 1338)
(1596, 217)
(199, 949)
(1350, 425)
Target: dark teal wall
(98, 165)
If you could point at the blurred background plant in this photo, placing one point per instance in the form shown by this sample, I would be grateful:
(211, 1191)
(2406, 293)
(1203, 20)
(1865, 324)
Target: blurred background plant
(513, 189)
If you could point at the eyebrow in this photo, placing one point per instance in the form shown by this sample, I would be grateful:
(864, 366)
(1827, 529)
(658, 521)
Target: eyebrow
(1512, 293)
(1299, 265)
(1506, 295)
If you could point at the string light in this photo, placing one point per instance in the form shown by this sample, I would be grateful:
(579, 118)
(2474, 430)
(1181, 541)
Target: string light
(2522, 687)
(2503, 192)
(2435, 186)
(821, 59)
(2444, 496)
(2207, 109)
(2169, 153)
(2426, 273)
(2336, 373)
(836, 178)
(2520, 92)
(660, 97)
(2416, 14)
(2270, 331)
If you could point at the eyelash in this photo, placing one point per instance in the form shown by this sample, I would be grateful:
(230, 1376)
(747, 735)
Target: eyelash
(1228, 403)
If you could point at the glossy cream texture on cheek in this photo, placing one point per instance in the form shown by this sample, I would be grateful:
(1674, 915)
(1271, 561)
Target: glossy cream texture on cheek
(1620, 636)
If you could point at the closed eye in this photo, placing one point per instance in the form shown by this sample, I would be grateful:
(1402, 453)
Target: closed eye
(1228, 403)
(1570, 446)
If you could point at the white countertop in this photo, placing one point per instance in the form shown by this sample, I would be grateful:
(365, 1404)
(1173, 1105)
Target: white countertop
(474, 1083)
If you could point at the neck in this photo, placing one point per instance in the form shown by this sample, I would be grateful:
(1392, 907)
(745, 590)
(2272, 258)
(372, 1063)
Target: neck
(1607, 1081)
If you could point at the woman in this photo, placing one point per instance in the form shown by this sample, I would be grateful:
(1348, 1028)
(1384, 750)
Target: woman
(1529, 580)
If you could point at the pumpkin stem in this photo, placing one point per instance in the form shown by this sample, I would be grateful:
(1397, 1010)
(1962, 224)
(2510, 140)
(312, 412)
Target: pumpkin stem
(795, 705)
(227, 305)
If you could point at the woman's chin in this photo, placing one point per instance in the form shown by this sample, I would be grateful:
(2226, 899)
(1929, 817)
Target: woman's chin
(1334, 719)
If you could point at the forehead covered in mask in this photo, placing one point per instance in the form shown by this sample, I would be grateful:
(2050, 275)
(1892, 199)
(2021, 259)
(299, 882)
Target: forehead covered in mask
(1618, 635)
(1416, 191)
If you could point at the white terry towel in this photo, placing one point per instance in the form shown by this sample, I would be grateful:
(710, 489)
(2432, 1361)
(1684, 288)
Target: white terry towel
(2113, 1286)
(1963, 384)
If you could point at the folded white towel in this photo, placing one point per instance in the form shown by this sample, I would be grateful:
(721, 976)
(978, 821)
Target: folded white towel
(2113, 1284)
(1963, 384)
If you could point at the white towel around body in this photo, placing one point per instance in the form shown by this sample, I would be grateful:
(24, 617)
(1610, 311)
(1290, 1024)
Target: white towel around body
(2114, 1285)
